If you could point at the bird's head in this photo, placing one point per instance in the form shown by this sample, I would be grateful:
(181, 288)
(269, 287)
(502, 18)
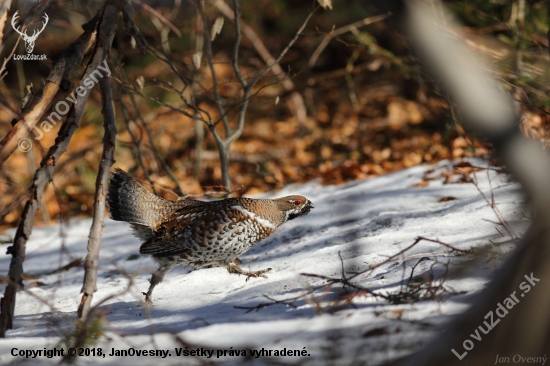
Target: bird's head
(294, 206)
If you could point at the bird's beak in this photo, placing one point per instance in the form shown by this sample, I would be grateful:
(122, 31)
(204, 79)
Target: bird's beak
(309, 205)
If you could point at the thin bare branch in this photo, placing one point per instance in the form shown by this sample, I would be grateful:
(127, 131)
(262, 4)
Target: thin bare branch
(3, 71)
(285, 50)
(158, 155)
(339, 31)
(128, 17)
(491, 202)
(406, 249)
(210, 58)
(135, 141)
(248, 89)
(238, 36)
(159, 16)
(257, 43)
(4, 7)
(92, 259)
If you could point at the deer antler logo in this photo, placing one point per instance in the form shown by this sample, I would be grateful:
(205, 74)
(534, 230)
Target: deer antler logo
(29, 40)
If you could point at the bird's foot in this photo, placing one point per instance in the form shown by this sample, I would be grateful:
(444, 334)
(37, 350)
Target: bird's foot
(233, 268)
(148, 300)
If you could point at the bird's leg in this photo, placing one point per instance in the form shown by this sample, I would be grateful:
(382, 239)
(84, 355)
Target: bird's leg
(233, 268)
(156, 278)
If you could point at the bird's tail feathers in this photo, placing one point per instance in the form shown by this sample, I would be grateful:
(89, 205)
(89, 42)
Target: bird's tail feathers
(129, 201)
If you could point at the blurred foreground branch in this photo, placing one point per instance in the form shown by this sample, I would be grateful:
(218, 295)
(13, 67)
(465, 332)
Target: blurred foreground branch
(524, 329)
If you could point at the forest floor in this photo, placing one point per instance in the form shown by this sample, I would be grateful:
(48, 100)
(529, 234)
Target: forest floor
(379, 266)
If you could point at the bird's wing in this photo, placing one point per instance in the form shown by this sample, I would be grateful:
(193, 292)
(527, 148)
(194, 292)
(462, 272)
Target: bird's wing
(165, 241)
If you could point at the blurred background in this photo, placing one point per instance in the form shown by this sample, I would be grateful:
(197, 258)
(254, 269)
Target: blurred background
(354, 102)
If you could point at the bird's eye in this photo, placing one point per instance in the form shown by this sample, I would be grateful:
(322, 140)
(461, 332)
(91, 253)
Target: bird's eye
(297, 202)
